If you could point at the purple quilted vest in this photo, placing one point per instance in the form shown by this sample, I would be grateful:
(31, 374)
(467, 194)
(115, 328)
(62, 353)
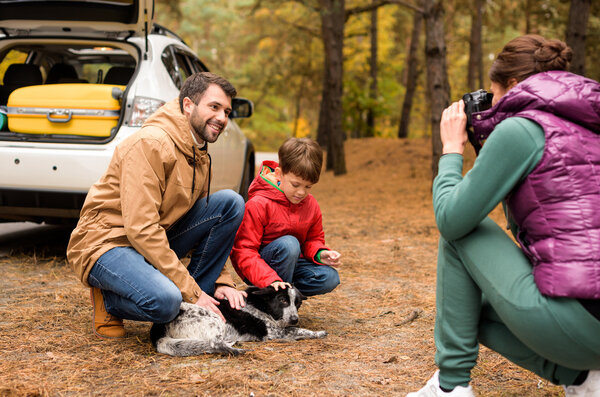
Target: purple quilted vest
(557, 206)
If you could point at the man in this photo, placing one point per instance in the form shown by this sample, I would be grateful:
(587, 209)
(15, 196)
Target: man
(151, 208)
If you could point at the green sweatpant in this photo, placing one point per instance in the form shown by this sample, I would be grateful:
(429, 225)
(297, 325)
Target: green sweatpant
(486, 293)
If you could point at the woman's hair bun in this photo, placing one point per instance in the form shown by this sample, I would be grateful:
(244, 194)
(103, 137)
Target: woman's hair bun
(527, 55)
(552, 55)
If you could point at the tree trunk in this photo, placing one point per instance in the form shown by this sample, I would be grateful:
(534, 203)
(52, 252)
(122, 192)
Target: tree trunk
(298, 105)
(373, 68)
(528, 16)
(412, 75)
(474, 75)
(576, 33)
(323, 125)
(438, 86)
(330, 116)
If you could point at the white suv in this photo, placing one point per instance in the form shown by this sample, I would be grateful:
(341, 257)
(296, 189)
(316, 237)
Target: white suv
(45, 174)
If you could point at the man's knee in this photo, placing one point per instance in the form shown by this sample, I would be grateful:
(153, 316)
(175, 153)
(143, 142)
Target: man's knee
(232, 202)
(164, 305)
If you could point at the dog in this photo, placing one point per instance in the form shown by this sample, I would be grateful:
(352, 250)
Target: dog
(267, 315)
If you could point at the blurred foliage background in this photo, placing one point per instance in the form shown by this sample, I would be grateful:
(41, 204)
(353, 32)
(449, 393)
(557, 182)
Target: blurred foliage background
(273, 53)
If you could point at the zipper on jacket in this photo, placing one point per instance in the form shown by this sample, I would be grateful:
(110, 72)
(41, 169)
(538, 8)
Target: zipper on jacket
(205, 148)
(194, 169)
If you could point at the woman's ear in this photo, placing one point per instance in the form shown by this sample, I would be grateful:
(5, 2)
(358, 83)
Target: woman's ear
(511, 83)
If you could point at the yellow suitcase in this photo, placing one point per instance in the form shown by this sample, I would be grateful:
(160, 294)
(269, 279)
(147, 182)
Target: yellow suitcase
(65, 109)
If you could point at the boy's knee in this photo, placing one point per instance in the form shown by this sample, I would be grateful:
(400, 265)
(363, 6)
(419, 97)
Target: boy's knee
(331, 279)
(325, 280)
(290, 245)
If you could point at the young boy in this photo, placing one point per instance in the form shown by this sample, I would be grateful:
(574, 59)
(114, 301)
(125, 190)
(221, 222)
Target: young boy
(281, 237)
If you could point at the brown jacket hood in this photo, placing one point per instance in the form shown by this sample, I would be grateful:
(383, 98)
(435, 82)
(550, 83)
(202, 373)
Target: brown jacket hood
(173, 122)
(154, 177)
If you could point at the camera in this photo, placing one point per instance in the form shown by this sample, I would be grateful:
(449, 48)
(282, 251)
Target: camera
(476, 101)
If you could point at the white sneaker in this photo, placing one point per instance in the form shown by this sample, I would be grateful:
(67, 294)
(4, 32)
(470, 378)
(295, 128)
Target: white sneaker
(589, 388)
(432, 389)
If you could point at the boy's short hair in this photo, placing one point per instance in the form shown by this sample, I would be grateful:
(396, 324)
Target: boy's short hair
(196, 85)
(302, 157)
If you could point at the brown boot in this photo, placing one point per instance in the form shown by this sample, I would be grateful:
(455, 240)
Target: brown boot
(105, 324)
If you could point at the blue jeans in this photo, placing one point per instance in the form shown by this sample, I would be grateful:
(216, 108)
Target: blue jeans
(135, 290)
(283, 255)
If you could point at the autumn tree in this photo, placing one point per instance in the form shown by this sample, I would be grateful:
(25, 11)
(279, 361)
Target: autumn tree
(438, 86)
(170, 8)
(333, 14)
(274, 51)
(592, 46)
(528, 6)
(411, 75)
(330, 131)
(475, 71)
(576, 33)
(373, 73)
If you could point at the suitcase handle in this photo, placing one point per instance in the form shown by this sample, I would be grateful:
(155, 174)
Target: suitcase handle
(59, 112)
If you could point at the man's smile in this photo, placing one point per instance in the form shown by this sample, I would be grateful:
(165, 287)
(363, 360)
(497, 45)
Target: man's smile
(215, 126)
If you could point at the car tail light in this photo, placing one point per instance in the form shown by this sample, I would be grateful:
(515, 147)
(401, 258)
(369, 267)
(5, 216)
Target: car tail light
(142, 109)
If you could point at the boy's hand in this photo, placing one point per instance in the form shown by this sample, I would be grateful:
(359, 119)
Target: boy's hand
(331, 258)
(235, 297)
(280, 284)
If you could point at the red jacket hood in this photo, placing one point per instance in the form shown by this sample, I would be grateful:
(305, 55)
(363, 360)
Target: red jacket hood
(265, 185)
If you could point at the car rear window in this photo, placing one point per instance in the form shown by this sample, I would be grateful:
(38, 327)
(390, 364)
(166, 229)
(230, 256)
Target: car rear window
(12, 56)
(77, 63)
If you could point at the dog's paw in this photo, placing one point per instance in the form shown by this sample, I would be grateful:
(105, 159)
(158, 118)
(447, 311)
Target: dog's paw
(233, 351)
(320, 334)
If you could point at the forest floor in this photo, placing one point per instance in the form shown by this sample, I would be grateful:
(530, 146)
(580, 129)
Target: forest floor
(380, 319)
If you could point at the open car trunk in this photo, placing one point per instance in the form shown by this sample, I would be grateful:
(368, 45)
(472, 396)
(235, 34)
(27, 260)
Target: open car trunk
(62, 91)
(83, 18)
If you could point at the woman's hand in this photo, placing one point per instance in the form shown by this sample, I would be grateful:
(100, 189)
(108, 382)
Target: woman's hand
(453, 128)
(236, 298)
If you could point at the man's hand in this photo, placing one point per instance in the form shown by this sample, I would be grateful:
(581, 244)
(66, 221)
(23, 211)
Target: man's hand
(331, 258)
(280, 284)
(236, 298)
(208, 302)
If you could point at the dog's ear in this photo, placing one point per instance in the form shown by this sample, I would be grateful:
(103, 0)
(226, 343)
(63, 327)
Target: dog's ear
(262, 291)
(251, 289)
(300, 294)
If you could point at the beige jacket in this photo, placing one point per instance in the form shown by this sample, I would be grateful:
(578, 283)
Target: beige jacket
(145, 190)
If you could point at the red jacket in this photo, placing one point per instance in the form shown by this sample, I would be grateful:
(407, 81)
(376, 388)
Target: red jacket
(268, 216)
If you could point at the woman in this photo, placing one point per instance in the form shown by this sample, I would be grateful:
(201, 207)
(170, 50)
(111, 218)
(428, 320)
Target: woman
(536, 304)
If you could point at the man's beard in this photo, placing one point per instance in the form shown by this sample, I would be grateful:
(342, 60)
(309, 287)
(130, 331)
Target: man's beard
(203, 131)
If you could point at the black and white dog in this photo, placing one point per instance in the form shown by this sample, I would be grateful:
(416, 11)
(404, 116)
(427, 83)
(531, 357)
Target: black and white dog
(268, 315)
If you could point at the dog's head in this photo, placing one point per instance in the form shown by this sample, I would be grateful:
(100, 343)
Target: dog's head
(282, 305)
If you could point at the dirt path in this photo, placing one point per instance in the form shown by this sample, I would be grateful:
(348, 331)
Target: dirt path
(380, 320)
